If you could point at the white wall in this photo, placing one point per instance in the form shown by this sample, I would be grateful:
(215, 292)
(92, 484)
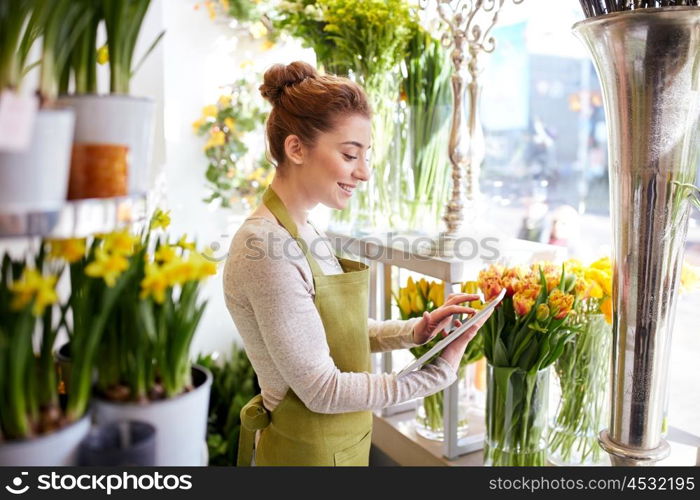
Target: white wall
(200, 56)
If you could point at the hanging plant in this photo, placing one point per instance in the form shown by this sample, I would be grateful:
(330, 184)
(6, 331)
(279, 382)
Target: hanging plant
(237, 169)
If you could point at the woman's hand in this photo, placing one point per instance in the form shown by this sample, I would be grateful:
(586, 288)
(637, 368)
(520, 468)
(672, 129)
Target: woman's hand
(453, 353)
(436, 321)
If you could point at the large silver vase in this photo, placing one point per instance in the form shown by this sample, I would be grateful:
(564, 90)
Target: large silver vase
(648, 62)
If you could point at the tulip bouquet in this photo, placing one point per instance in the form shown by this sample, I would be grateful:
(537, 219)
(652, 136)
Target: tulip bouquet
(413, 300)
(583, 369)
(522, 338)
(145, 351)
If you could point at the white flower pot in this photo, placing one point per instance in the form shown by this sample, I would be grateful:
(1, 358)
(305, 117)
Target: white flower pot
(118, 119)
(36, 180)
(56, 448)
(180, 422)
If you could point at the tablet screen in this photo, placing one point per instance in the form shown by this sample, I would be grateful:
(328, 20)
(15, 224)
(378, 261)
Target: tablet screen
(451, 337)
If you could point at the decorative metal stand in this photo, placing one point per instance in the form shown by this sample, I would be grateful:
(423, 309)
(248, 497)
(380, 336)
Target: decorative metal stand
(649, 66)
(469, 24)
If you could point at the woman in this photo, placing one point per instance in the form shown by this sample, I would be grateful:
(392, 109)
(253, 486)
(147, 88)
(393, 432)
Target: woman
(302, 312)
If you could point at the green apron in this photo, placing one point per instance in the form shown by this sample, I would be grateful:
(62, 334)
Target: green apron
(291, 434)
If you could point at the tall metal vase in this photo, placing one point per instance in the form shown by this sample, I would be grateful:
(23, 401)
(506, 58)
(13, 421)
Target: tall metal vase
(648, 62)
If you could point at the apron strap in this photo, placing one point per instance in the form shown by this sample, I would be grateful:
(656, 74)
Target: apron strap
(254, 417)
(273, 202)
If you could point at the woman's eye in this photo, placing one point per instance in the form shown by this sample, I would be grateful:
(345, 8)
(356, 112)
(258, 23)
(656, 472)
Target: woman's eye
(349, 157)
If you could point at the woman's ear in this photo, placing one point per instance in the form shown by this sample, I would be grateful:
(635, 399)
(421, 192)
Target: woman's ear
(294, 149)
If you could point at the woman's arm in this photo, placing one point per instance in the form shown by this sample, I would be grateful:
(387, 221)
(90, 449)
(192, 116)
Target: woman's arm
(281, 298)
(391, 334)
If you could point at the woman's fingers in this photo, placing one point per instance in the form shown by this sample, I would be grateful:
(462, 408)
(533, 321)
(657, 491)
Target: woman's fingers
(444, 311)
(458, 298)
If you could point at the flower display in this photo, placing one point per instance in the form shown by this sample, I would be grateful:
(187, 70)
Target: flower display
(522, 338)
(413, 300)
(233, 129)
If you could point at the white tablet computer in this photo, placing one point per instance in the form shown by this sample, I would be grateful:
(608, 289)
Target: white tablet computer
(452, 336)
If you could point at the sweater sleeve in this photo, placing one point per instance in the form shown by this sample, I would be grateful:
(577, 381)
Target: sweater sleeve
(293, 333)
(391, 334)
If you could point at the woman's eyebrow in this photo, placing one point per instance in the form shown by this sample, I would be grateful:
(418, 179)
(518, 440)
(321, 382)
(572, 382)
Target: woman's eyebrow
(355, 143)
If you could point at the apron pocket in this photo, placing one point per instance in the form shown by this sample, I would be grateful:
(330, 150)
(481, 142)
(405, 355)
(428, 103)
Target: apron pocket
(355, 455)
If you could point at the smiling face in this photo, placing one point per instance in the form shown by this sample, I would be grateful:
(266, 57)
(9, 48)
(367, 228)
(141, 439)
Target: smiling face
(336, 165)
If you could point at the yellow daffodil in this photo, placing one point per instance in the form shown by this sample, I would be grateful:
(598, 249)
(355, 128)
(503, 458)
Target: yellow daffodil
(203, 267)
(33, 287)
(165, 253)
(184, 244)
(154, 283)
(107, 266)
(210, 111)
(103, 55)
(120, 243)
(70, 249)
(160, 219)
(224, 101)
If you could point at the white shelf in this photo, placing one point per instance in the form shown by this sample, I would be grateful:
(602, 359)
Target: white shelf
(76, 219)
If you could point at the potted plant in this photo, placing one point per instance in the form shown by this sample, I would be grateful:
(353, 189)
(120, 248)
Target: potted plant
(34, 429)
(34, 176)
(234, 385)
(146, 373)
(114, 133)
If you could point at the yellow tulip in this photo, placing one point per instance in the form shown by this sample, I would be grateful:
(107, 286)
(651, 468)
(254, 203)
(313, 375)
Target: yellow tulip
(404, 303)
(417, 303)
(411, 285)
(230, 123)
(437, 294)
(424, 286)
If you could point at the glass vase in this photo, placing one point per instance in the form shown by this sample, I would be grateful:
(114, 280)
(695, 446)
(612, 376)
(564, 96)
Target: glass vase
(429, 421)
(583, 371)
(516, 417)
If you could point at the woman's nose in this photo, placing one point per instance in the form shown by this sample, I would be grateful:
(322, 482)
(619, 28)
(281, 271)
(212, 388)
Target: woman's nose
(362, 172)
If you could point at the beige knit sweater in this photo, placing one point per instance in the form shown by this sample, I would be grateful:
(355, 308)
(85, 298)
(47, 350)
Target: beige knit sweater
(271, 300)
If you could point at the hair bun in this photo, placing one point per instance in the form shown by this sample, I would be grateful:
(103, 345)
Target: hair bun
(279, 77)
